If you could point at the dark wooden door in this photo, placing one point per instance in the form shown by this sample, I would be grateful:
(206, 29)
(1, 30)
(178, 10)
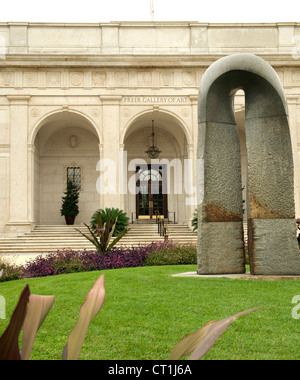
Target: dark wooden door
(150, 197)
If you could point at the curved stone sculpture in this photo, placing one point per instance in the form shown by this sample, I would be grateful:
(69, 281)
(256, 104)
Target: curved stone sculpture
(272, 243)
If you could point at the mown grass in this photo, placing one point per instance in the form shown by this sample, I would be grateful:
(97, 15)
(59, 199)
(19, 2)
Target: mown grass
(147, 311)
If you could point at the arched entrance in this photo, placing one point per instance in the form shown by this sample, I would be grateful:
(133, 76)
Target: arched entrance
(66, 146)
(157, 184)
(151, 200)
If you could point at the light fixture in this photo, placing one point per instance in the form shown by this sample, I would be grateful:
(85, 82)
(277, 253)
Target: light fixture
(153, 151)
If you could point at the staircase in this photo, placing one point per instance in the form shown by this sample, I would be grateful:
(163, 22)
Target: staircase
(45, 239)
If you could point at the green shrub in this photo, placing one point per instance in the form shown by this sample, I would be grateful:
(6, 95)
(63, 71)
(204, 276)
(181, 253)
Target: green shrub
(10, 271)
(173, 254)
(115, 215)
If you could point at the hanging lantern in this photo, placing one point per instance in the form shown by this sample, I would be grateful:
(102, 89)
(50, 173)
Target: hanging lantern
(153, 151)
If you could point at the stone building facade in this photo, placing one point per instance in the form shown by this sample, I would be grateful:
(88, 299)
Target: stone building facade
(78, 100)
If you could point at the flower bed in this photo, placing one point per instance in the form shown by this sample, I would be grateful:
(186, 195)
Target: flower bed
(68, 261)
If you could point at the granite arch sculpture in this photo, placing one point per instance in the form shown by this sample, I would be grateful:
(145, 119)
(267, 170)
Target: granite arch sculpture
(272, 243)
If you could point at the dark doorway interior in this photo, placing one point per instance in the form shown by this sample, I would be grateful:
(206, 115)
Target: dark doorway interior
(151, 197)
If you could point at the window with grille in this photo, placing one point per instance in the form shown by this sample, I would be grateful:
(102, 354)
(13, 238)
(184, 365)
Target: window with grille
(74, 175)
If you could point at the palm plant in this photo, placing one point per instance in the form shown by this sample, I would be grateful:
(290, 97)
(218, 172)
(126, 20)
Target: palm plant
(102, 232)
(118, 216)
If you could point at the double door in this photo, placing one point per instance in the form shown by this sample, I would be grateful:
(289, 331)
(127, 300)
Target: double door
(150, 196)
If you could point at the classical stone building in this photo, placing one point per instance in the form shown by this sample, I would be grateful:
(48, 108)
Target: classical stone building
(82, 101)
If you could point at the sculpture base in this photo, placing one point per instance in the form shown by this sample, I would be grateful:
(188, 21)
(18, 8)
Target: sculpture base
(273, 247)
(220, 248)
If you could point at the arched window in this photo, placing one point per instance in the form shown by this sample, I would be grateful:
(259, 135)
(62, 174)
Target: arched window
(74, 175)
(153, 175)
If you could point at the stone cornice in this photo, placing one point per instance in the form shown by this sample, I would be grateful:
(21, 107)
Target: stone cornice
(147, 23)
(64, 41)
(130, 61)
(19, 99)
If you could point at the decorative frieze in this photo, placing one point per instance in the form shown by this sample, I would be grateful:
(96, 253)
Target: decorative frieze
(144, 78)
(167, 78)
(53, 78)
(76, 79)
(296, 77)
(100, 78)
(7, 79)
(30, 79)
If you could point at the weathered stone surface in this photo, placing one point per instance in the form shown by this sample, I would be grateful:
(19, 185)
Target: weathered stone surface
(270, 189)
(225, 255)
(272, 248)
(270, 168)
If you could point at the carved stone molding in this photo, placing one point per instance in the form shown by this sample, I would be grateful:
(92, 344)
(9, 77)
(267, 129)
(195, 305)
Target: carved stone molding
(99, 78)
(53, 78)
(30, 79)
(76, 78)
(7, 79)
(34, 112)
(73, 141)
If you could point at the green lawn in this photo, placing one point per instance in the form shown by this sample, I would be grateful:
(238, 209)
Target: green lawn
(146, 312)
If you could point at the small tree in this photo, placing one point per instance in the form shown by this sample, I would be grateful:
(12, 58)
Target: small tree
(69, 208)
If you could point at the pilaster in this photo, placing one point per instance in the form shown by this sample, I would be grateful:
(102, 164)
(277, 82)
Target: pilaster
(111, 154)
(19, 214)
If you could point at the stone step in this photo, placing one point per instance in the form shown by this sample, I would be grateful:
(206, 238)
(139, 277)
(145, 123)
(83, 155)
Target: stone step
(16, 246)
(50, 238)
(79, 241)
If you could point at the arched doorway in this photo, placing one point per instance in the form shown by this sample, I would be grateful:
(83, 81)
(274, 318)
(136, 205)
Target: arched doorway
(151, 200)
(157, 184)
(66, 146)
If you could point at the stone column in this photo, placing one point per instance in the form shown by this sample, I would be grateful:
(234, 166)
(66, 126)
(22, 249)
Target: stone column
(110, 158)
(122, 180)
(19, 216)
(192, 148)
(31, 184)
(101, 195)
(190, 197)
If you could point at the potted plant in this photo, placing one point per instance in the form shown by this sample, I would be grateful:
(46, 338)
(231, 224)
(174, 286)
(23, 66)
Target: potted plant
(69, 208)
